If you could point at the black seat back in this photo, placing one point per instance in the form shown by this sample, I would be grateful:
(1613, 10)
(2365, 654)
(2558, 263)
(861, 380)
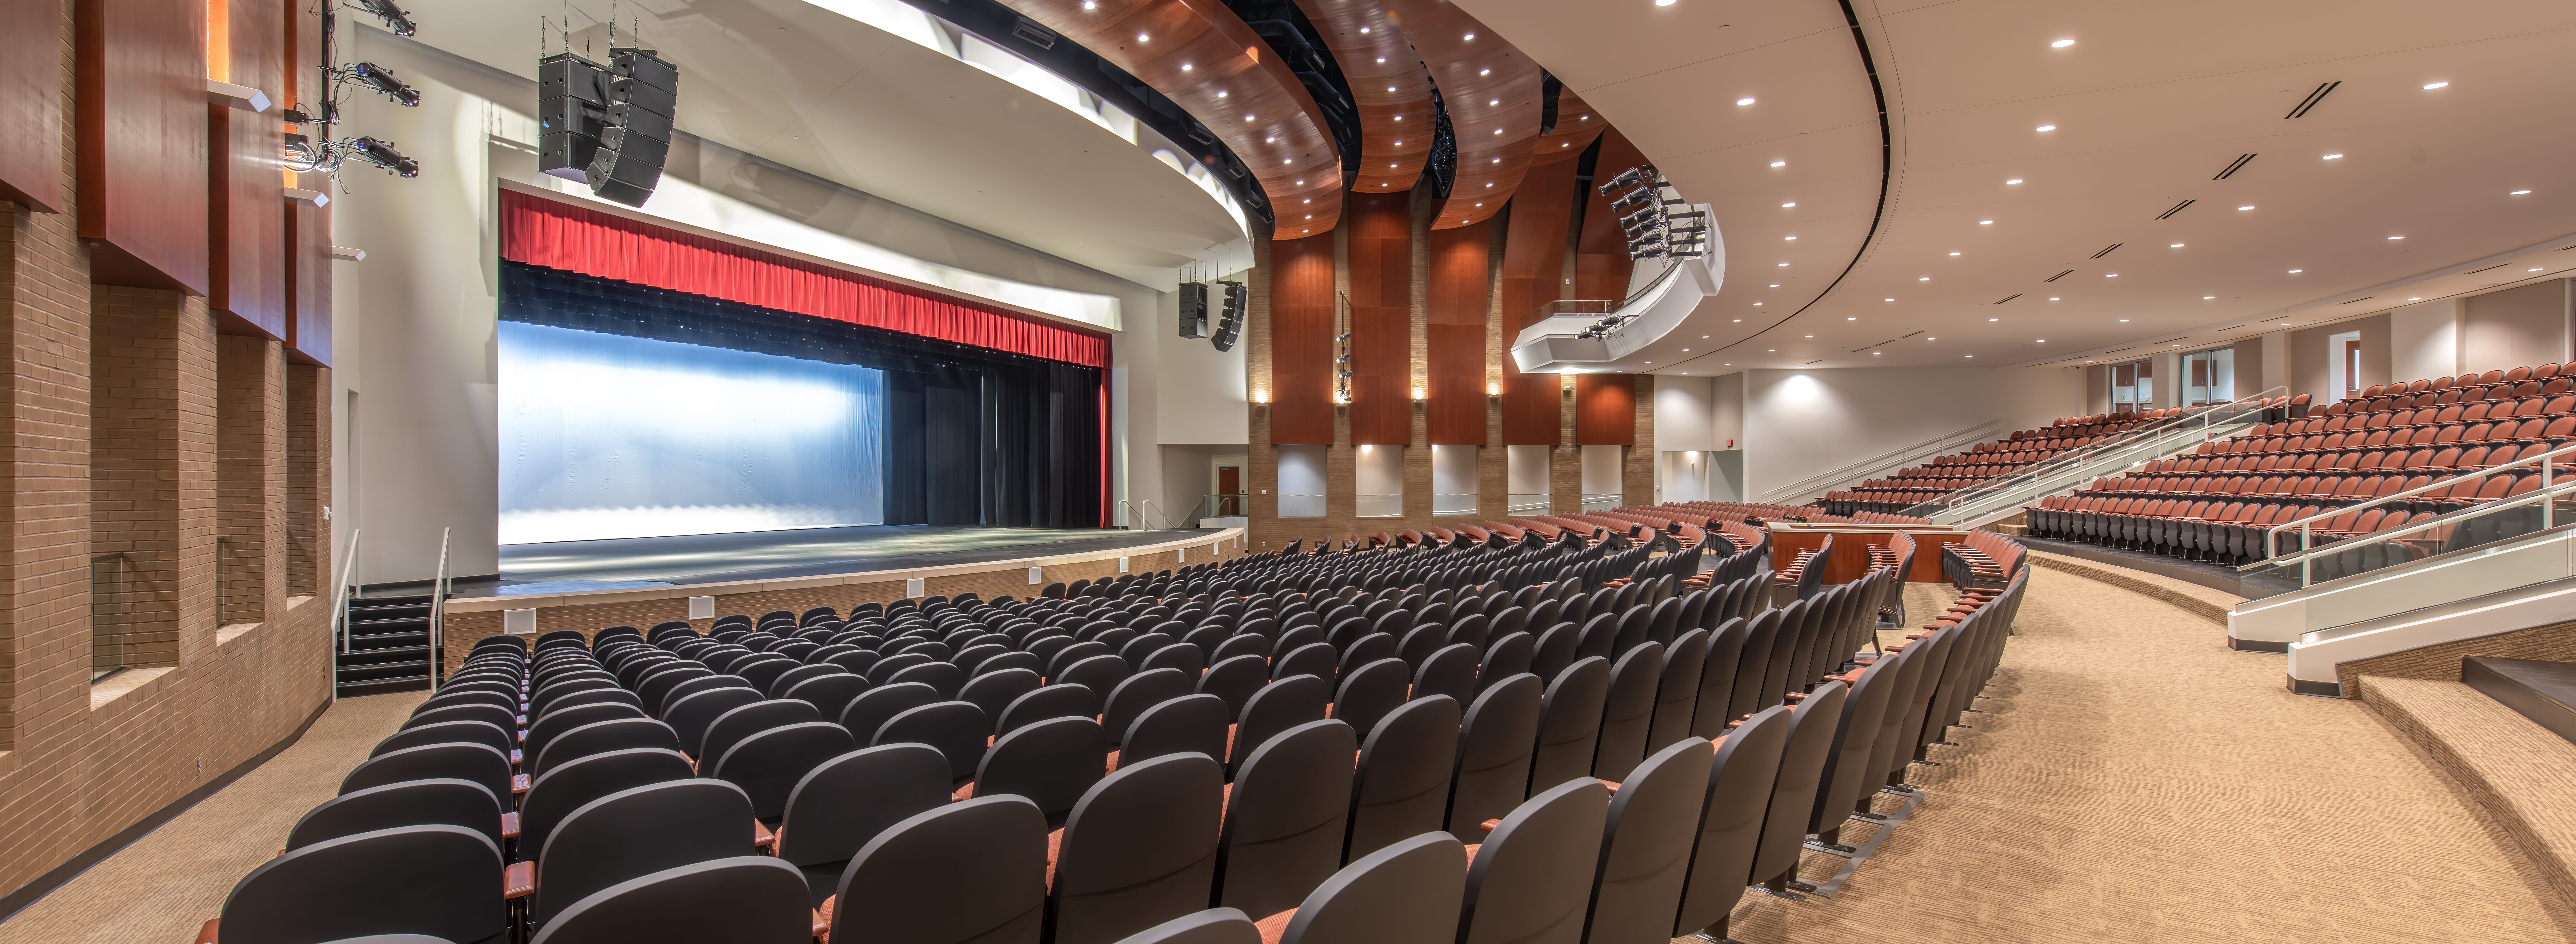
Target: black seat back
(439, 802)
(983, 861)
(1050, 763)
(572, 784)
(1532, 878)
(635, 832)
(1493, 763)
(1405, 768)
(437, 881)
(1138, 850)
(1286, 818)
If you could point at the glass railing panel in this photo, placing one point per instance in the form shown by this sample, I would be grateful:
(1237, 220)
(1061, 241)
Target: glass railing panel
(1452, 505)
(1601, 501)
(2473, 546)
(1525, 504)
(1381, 506)
(1301, 506)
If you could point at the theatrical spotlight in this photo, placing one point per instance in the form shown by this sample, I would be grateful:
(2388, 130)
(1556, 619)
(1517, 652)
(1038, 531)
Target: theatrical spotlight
(1635, 175)
(300, 156)
(396, 19)
(382, 80)
(382, 154)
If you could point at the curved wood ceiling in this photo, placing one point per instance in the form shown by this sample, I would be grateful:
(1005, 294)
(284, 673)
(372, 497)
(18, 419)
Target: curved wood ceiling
(1576, 125)
(1202, 56)
(1492, 92)
(1388, 85)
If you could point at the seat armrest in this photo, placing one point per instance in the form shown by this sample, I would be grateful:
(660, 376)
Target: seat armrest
(510, 825)
(519, 880)
(206, 935)
(761, 837)
(1490, 825)
(518, 783)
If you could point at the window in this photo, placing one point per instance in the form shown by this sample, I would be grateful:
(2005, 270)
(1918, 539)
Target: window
(2133, 386)
(2209, 376)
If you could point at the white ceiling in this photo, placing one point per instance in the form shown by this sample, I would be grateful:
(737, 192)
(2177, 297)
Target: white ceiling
(821, 92)
(2150, 102)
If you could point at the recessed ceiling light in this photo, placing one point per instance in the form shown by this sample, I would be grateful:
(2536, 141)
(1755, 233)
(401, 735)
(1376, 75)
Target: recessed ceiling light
(1994, 319)
(2013, 181)
(2124, 321)
(1891, 299)
(1747, 100)
(1757, 304)
(2297, 271)
(2396, 237)
(1954, 253)
(2174, 246)
(2531, 270)
(1247, 117)
(1876, 353)
(2517, 193)
(2110, 275)
(1703, 337)
(1852, 318)
(2042, 341)
(1140, 37)
(2208, 298)
(2173, 345)
(1496, 101)
(2048, 127)
(1381, 58)
(1471, 36)
(1739, 320)
(1811, 335)
(1364, 29)
(1490, 72)
(2332, 157)
(1498, 160)
(1788, 237)
(1220, 94)
(1663, 3)
(1779, 163)
(1498, 131)
(1185, 67)
(1784, 263)
(1792, 203)
(2416, 299)
(2429, 86)
(1775, 285)
(1684, 349)
(2052, 299)
(2248, 207)
(2061, 44)
(2285, 324)
(1985, 222)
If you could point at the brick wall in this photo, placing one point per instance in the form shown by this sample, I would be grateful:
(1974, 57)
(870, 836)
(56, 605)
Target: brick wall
(113, 440)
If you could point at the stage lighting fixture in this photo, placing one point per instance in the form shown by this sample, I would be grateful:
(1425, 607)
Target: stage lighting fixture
(1194, 309)
(300, 156)
(382, 154)
(395, 18)
(1645, 217)
(383, 81)
(1634, 176)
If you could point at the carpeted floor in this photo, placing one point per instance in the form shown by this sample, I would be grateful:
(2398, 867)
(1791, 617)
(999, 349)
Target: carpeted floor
(2133, 780)
(162, 888)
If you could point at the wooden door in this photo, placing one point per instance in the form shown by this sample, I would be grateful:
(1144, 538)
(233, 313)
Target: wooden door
(1229, 488)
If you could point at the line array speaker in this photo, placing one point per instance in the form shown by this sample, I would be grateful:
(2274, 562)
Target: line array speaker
(1194, 309)
(1229, 322)
(572, 103)
(635, 126)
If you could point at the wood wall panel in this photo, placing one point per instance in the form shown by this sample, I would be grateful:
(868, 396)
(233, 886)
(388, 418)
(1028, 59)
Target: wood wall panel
(1488, 86)
(1601, 261)
(1381, 271)
(141, 80)
(1533, 274)
(1301, 341)
(307, 278)
(1388, 87)
(246, 234)
(1459, 298)
(31, 104)
(1605, 410)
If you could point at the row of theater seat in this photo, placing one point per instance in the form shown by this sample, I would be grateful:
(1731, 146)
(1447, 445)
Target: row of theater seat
(2218, 503)
(759, 760)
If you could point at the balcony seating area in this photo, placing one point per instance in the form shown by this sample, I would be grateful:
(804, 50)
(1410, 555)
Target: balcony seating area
(1419, 741)
(2216, 504)
(1941, 476)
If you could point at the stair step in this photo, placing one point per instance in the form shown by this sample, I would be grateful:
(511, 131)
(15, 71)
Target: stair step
(381, 671)
(364, 642)
(385, 656)
(349, 689)
(2544, 692)
(400, 622)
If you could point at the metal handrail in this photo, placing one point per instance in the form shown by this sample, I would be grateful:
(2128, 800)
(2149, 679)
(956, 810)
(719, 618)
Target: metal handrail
(438, 613)
(1146, 505)
(2080, 455)
(1873, 463)
(340, 599)
(2306, 557)
(2307, 525)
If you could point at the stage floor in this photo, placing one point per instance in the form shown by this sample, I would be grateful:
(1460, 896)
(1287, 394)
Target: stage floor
(767, 555)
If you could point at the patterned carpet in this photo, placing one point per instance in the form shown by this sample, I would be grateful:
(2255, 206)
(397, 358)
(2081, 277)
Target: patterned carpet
(2133, 781)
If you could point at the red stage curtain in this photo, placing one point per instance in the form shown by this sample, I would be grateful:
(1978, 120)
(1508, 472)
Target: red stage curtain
(557, 235)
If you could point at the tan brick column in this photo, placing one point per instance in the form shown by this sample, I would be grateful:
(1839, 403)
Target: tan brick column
(152, 471)
(44, 575)
(1637, 477)
(308, 480)
(1565, 461)
(250, 476)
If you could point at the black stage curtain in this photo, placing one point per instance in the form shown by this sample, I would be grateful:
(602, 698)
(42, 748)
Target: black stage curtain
(974, 436)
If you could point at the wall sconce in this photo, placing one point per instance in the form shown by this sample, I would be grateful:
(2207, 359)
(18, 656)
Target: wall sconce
(1261, 397)
(1493, 389)
(1418, 395)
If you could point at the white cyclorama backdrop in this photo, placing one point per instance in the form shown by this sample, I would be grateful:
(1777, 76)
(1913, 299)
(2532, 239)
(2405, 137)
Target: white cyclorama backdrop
(606, 436)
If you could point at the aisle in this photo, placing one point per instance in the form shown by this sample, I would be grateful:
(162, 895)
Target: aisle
(2134, 780)
(162, 888)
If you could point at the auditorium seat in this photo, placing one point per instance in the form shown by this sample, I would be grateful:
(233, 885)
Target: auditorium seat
(1139, 849)
(1285, 818)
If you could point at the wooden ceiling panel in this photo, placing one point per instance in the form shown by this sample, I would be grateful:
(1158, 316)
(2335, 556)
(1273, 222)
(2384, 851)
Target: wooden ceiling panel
(1202, 56)
(1492, 91)
(1576, 125)
(1389, 87)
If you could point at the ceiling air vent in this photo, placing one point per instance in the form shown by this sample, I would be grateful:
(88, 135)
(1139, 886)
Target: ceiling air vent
(2311, 101)
(1881, 343)
(2059, 276)
(2106, 250)
(2007, 298)
(2118, 350)
(2231, 327)
(2361, 299)
(1816, 361)
(1910, 335)
(2177, 208)
(2233, 168)
(1028, 30)
(2495, 266)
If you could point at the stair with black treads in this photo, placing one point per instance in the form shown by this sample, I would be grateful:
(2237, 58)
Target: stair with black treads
(2544, 692)
(388, 647)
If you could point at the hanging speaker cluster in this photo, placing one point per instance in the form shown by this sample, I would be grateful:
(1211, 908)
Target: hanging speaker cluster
(1229, 323)
(572, 101)
(635, 135)
(1194, 309)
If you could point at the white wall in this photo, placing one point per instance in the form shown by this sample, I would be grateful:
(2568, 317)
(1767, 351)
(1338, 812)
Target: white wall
(1525, 473)
(1301, 474)
(2424, 340)
(414, 325)
(1203, 396)
(1685, 413)
(1601, 469)
(1800, 423)
(1684, 475)
(1453, 480)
